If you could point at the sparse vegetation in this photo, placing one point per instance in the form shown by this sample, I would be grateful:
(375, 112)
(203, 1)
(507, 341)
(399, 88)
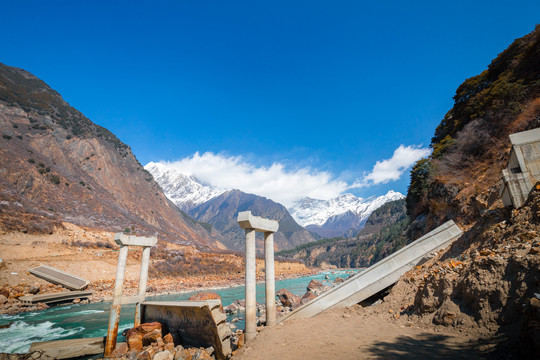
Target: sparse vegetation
(55, 179)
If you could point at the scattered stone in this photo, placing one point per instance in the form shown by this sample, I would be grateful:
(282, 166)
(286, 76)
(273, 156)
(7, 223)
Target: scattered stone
(168, 339)
(34, 290)
(308, 296)
(179, 353)
(315, 286)
(134, 336)
(163, 355)
(287, 298)
(120, 350)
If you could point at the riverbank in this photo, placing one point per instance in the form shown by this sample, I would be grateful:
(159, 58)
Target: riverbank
(91, 254)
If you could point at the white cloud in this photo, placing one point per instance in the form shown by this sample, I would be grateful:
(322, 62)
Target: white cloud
(284, 185)
(391, 169)
(275, 182)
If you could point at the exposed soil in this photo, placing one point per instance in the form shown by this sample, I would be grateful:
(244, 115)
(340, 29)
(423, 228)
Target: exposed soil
(362, 333)
(92, 255)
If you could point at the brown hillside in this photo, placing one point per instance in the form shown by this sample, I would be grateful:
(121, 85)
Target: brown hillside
(460, 180)
(56, 165)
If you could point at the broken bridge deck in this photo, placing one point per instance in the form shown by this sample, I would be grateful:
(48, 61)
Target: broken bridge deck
(380, 275)
(59, 277)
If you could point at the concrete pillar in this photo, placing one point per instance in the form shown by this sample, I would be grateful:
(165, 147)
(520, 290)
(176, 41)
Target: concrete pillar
(143, 279)
(270, 281)
(251, 302)
(114, 318)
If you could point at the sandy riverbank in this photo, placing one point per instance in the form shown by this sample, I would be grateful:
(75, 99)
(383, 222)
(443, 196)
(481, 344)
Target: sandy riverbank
(90, 254)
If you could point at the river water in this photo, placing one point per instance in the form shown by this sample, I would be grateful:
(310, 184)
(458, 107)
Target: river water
(91, 320)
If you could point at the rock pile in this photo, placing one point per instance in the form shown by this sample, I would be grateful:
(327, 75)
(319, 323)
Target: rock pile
(147, 342)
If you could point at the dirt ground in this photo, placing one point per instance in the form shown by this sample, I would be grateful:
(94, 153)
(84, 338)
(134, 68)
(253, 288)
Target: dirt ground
(92, 255)
(20, 252)
(362, 333)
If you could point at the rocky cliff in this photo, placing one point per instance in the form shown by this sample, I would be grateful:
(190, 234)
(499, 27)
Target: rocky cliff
(460, 180)
(57, 165)
(222, 212)
(489, 278)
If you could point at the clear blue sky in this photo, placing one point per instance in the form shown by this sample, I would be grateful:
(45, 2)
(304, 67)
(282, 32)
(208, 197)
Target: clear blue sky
(333, 85)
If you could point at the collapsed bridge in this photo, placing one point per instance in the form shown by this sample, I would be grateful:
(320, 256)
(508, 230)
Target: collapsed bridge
(380, 275)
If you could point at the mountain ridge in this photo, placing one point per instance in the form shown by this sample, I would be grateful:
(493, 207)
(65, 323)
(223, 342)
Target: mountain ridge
(60, 166)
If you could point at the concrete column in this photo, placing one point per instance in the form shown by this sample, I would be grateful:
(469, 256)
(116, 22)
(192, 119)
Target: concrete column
(270, 280)
(143, 279)
(251, 302)
(114, 319)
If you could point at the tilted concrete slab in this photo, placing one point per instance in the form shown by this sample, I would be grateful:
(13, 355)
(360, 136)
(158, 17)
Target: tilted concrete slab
(192, 323)
(69, 349)
(123, 239)
(248, 221)
(56, 297)
(59, 277)
(380, 275)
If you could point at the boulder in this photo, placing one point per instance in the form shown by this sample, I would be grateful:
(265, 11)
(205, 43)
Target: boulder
(206, 295)
(151, 337)
(308, 296)
(134, 336)
(168, 339)
(4, 292)
(315, 286)
(163, 355)
(338, 280)
(287, 298)
(120, 350)
(34, 290)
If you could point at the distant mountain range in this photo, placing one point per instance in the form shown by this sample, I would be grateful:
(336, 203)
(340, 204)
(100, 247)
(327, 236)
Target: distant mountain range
(342, 216)
(222, 211)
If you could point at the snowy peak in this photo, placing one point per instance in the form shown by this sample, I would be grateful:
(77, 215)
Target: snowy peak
(183, 190)
(318, 212)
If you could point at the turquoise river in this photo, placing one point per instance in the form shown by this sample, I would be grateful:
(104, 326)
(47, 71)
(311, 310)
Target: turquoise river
(91, 320)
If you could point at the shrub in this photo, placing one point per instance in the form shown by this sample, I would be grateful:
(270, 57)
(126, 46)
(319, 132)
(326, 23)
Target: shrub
(55, 179)
(31, 161)
(7, 137)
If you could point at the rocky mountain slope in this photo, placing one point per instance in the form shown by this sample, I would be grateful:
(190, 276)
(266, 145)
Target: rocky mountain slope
(342, 216)
(57, 166)
(381, 235)
(490, 277)
(222, 212)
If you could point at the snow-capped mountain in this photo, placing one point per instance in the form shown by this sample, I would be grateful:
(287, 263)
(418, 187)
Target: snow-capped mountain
(183, 190)
(341, 216)
(336, 217)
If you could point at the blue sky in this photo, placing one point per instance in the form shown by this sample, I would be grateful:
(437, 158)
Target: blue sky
(315, 87)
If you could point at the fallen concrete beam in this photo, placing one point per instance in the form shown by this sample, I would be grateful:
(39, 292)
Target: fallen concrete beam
(55, 297)
(380, 275)
(192, 323)
(59, 277)
(72, 348)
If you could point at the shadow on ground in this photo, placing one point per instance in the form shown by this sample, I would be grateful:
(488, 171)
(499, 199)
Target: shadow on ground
(426, 346)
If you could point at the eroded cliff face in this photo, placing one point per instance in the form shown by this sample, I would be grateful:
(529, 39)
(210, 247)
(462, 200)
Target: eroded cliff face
(57, 165)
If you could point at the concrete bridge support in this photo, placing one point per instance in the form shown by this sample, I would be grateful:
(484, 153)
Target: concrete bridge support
(252, 224)
(114, 319)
